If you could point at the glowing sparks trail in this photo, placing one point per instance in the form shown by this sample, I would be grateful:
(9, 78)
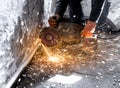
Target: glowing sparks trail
(48, 54)
(55, 58)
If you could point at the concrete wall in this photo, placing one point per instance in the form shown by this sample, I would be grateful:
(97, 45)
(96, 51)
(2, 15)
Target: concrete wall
(19, 20)
(114, 13)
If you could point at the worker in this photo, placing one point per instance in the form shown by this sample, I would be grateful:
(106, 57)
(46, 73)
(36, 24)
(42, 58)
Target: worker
(76, 14)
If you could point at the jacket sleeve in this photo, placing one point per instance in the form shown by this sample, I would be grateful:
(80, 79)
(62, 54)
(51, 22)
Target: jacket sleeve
(61, 7)
(96, 9)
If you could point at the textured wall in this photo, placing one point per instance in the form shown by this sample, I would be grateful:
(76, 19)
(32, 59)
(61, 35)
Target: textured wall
(114, 13)
(18, 34)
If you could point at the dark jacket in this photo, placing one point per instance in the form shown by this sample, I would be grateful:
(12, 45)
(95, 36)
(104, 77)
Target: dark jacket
(76, 10)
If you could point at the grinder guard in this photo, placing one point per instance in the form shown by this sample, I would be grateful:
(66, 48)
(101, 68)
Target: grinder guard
(49, 36)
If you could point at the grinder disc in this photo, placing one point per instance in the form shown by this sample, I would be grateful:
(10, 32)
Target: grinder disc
(49, 36)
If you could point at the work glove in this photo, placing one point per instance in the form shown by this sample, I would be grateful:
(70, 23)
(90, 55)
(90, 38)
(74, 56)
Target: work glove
(89, 40)
(89, 29)
(53, 20)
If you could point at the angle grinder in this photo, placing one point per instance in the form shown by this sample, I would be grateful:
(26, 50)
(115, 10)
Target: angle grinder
(49, 36)
(65, 32)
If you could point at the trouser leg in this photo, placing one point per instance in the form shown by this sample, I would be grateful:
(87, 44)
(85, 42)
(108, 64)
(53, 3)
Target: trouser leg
(76, 13)
(104, 13)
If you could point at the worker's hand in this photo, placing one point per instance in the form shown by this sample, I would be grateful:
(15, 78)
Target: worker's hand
(88, 30)
(88, 40)
(53, 20)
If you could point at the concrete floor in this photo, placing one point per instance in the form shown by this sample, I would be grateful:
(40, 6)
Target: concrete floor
(79, 71)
